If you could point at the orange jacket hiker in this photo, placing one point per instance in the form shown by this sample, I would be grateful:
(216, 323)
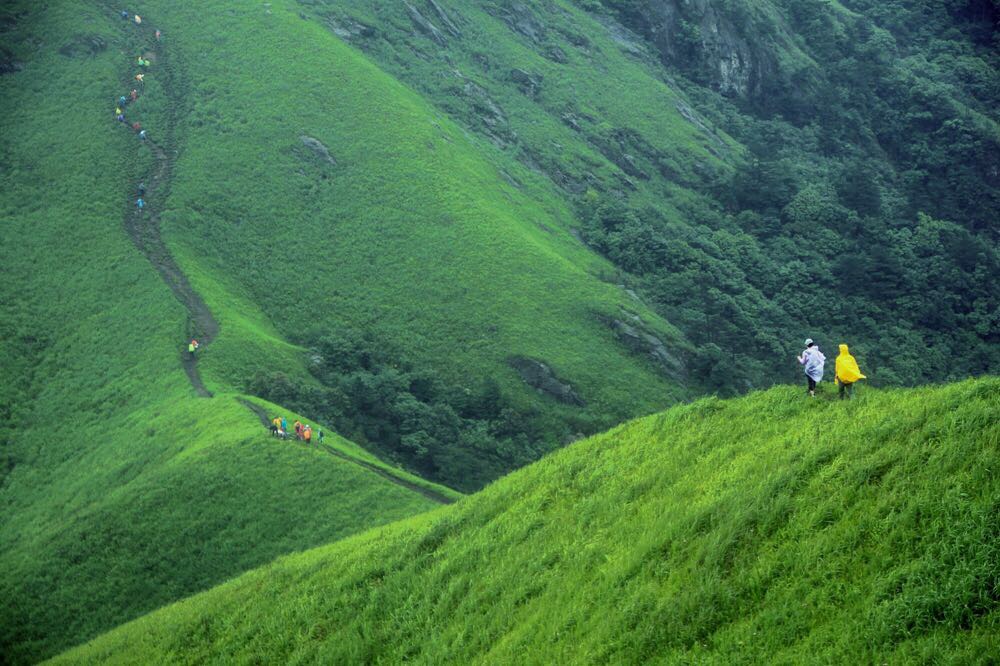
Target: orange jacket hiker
(307, 434)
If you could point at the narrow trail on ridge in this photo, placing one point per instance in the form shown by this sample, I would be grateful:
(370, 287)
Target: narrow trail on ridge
(384, 473)
(144, 227)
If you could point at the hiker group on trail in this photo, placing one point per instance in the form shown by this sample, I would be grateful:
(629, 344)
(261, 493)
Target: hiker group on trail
(846, 371)
(122, 104)
(303, 433)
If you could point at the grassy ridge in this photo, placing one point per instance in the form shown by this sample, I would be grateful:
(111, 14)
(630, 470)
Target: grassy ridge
(120, 490)
(767, 528)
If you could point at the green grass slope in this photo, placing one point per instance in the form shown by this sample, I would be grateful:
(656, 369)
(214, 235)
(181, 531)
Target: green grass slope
(766, 529)
(120, 490)
(407, 232)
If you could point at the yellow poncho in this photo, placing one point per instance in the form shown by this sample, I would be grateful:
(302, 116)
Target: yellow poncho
(848, 371)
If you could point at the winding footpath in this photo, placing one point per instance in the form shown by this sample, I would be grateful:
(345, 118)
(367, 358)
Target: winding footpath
(144, 230)
(432, 495)
(144, 227)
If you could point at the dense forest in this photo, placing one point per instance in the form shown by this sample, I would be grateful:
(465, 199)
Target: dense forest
(864, 208)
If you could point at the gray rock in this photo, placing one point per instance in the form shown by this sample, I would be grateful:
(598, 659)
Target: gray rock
(556, 54)
(572, 121)
(725, 43)
(423, 25)
(689, 115)
(528, 83)
(317, 147)
(348, 29)
(522, 20)
(446, 21)
(492, 116)
(639, 340)
(540, 377)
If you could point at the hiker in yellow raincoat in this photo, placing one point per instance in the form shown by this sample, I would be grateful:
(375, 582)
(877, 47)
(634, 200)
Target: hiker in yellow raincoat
(848, 372)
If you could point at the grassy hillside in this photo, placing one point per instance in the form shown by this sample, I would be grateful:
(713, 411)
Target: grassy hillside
(119, 489)
(770, 528)
(401, 229)
(742, 162)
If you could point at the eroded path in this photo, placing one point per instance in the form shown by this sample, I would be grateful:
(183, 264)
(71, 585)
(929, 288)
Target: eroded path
(144, 228)
(384, 473)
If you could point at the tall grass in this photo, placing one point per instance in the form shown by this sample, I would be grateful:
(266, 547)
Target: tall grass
(770, 528)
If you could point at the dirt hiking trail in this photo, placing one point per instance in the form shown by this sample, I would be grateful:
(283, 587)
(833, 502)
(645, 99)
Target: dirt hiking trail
(144, 227)
(384, 473)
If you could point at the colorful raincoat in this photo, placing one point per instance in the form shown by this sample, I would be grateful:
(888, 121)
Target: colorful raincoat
(848, 371)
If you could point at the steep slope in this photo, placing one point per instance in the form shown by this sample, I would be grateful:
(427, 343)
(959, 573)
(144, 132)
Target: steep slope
(330, 198)
(120, 489)
(743, 163)
(770, 528)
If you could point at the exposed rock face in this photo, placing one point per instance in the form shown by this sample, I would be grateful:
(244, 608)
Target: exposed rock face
(445, 20)
(637, 338)
(540, 376)
(708, 35)
(529, 83)
(317, 147)
(423, 25)
(349, 29)
(494, 120)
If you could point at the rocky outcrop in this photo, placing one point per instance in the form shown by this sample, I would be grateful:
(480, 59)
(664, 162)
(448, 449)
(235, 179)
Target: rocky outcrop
(318, 148)
(494, 120)
(540, 377)
(714, 38)
(423, 25)
(445, 20)
(530, 84)
(348, 29)
(632, 332)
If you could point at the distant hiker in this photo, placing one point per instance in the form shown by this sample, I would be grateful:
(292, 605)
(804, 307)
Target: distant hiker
(120, 117)
(140, 204)
(307, 434)
(124, 15)
(122, 101)
(142, 189)
(284, 424)
(320, 434)
(298, 430)
(275, 422)
(812, 358)
(138, 19)
(142, 135)
(193, 347)
(139, 77)
(139, 61)
(847, 372)
(158, 33)
(134, 94)
(136, 127)
(118, 111)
